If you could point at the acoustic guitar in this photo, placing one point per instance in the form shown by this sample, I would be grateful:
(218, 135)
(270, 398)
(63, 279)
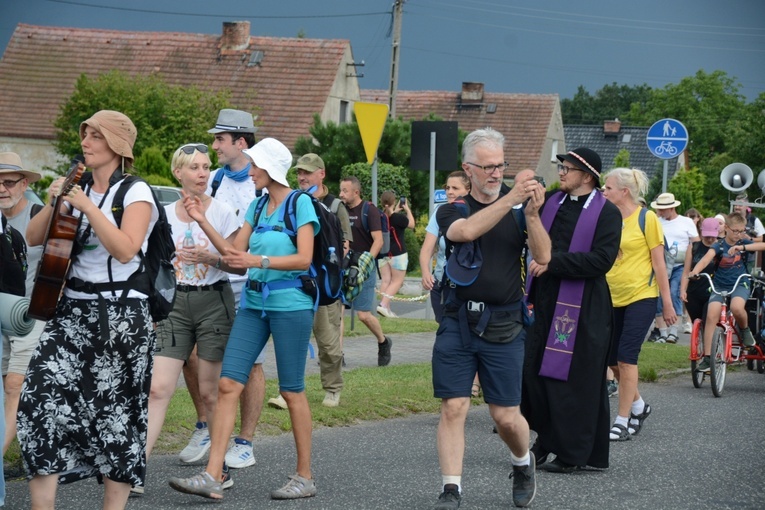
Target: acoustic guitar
(57, 252)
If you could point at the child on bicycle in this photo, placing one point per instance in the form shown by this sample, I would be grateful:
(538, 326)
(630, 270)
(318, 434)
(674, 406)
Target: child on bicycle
(730, 256)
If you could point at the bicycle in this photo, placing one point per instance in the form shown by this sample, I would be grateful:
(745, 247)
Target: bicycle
(727, 346)
(666, 147)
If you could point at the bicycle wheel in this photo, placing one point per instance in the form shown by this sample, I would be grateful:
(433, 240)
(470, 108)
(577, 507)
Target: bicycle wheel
(697, 352)
(718, 363)
(760, 367)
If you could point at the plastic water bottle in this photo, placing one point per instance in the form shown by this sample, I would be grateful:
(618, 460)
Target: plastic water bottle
(673, 249)
(332, 256)
(189, 270)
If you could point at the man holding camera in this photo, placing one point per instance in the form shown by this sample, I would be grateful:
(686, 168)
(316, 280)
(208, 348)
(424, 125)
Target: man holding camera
(564, 394)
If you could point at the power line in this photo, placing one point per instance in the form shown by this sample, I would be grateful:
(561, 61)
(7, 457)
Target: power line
(587, 36)
(228, 16)
(606, 21)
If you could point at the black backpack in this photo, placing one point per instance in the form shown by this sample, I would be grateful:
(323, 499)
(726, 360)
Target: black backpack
(384, 227)
(328, 276)
(13, 260)
(159, 273)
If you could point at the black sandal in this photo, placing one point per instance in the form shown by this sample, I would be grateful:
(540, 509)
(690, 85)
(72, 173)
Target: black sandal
(619, 430)
(640, 418)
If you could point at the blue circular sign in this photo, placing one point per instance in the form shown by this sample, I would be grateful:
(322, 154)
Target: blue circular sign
(439, 196)
(667, 138)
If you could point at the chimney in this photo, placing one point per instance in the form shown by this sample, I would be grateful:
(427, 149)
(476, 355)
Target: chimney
(472, 93)
(236, 36)
(612, 127)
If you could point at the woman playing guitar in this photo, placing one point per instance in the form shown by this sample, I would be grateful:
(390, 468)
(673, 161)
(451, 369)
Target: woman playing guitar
(95, 356)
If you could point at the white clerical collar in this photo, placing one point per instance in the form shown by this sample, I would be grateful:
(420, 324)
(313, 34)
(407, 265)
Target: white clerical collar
(575, 198)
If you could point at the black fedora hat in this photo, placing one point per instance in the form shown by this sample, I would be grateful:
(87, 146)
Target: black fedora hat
(584, 159)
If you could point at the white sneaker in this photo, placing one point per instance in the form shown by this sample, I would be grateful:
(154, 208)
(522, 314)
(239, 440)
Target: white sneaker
(198, 445)
(687, 327)
(277, 402)
(331, 399)
(240, 454)
(386, 312)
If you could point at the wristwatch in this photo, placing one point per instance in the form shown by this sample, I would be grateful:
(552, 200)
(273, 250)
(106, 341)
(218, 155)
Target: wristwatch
(264, 262)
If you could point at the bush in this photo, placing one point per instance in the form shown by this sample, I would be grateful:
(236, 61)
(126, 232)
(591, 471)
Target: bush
(413, 246)
(389, 177)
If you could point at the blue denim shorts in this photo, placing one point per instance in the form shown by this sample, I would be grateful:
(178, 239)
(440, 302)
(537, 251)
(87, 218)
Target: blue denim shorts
(291, 332)
(366, 300)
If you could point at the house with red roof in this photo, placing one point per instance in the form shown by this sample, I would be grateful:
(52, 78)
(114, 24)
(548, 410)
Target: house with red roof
(531, 123)
(285, 80)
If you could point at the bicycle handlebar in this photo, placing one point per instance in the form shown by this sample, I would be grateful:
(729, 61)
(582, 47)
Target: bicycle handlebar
(758, 279)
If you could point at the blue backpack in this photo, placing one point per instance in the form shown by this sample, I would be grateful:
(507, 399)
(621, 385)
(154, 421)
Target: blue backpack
(324, 282)
(669, 258)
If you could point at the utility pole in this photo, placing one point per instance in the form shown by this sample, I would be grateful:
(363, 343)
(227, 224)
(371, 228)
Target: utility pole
(398, 12)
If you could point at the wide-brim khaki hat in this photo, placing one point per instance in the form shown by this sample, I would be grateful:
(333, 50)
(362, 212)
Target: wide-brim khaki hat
(117, 128)
(10, 163)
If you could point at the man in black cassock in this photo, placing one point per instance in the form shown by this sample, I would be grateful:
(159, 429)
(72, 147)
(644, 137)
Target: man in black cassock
(571, 413)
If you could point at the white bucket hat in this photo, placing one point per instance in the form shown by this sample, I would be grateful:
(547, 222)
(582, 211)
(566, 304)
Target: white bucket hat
(272, 156)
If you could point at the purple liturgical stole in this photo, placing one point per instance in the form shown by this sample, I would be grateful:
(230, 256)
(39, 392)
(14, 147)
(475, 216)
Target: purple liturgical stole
(556, 361)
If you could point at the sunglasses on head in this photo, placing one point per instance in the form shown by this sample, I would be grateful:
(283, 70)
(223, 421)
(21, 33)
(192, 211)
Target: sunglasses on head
(189, 148)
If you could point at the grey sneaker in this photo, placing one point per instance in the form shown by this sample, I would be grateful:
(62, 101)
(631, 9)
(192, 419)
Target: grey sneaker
(383, 352)
(226, 481)
(613, 389)
(746, 337)
(449, 499)
(524, 483)
(297, 487)
(704, 365)
(198, 445)
(202, 484)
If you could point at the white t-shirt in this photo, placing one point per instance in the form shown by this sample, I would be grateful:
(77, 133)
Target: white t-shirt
(222, 219)
(432, 228)
(238, 196)
(680, 230)
(90, 264)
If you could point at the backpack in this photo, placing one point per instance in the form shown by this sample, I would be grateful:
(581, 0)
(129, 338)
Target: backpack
(327, 275)
(160, 251)
(384, 226)
(13, 260)
(669, 257)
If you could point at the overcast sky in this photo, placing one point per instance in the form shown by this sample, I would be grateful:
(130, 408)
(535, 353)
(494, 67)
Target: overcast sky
(523, 46)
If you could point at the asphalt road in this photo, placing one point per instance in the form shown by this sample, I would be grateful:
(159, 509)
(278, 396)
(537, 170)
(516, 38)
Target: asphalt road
(695, 451)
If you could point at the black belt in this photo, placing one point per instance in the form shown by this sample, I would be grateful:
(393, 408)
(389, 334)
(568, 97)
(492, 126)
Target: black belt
(217, 286)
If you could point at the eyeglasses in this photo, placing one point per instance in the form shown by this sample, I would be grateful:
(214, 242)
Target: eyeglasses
(490, 169)
(564, 170)
(11, 184)
(735, 231)
(189, 148)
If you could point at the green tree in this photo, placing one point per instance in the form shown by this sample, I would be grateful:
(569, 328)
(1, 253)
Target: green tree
(708, 104)
(610, 102)
(622, 159)
(688, 186)
(389, 177)
(165, 116)
(746, 138)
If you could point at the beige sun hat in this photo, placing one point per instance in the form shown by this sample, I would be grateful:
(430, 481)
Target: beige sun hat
(10, 163)
(118, 130)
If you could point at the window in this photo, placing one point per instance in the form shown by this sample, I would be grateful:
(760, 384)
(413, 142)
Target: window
(343, 112)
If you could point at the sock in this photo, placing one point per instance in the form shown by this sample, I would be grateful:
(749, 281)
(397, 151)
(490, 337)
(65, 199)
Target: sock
(455, 480)
(621, 420)
(663, 331)
(520, 461)
(638, 406)
(201, 424)
(239, 440)
(673, 330)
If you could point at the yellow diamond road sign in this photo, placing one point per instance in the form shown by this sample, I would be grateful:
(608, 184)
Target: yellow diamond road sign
(371, 118)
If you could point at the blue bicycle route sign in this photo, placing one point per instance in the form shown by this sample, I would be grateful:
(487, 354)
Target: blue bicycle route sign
(439, 196)
(667, 138)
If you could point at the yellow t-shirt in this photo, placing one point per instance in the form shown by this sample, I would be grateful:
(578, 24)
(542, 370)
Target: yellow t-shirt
(630, 275)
